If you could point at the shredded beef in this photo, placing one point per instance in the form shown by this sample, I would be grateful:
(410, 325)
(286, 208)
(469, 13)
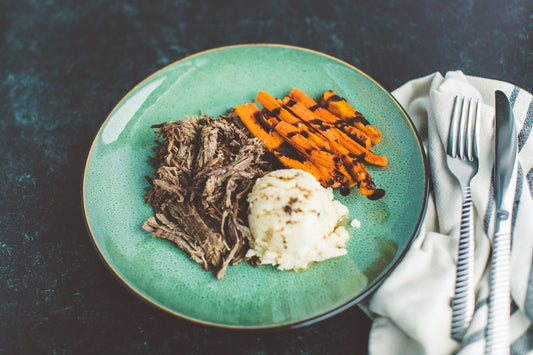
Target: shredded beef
(204, 168)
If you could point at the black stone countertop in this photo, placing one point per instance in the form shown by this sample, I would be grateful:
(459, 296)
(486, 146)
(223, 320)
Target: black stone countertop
(65, 64)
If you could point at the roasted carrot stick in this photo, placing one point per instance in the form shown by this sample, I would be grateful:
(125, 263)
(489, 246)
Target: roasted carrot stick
(356, 134)
(346, 147)
(295, 113)
(270, 118)
(361, 152)
(360, 175)
(330, 165)
(332, 133)
(326, 116)
(276, 109)
(288, 161)
(296, 134)
(300, 96)
(251, 117)
(314, 147)
(340, 107)
(357, 175)
(366, 185)
(315, 151)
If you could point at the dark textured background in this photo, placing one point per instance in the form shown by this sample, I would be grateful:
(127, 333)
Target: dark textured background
(65, 64)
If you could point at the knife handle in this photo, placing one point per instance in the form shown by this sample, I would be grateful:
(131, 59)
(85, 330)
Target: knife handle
(463, 303)
(500, 290)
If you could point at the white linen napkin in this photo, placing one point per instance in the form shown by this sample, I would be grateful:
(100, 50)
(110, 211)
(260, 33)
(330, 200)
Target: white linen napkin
(411, 310)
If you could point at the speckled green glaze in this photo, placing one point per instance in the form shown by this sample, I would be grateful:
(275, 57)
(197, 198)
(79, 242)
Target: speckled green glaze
(213, 81)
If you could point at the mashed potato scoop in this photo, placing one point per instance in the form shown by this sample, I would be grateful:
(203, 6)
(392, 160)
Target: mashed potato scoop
(294, 221)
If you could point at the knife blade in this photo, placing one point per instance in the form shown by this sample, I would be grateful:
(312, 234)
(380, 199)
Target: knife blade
(505, 177)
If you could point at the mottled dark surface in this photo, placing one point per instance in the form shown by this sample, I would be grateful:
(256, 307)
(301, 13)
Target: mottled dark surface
(65, 64)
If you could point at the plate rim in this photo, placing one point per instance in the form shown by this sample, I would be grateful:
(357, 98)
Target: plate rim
(292, 325)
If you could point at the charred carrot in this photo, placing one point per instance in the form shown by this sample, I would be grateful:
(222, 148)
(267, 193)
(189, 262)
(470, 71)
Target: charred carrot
(251, 117)
(300, 138)
(342, 152)
(360, 176)
(300, 96)
(275, 108)
(270, 118)
(357, 175)
(330, 165)
(329, 117)
(343, 144)
(314, 147)
(296, 135)
(332, 133)
(356, 134)
(362, 153)
(340, 107)
(304, 165)
(366, 184)
(349, 150)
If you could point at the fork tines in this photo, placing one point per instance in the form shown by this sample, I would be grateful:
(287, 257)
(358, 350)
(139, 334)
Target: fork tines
(458, 143)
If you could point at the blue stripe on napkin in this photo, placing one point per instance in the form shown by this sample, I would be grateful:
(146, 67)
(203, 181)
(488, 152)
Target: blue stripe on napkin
(524, 344)
(530, 181)
(526, 128)
(518, 194)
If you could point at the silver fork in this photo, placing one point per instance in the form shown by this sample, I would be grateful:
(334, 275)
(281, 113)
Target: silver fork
(462, 159)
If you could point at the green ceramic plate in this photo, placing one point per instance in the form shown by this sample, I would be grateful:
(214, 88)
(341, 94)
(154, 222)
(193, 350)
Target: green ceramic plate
(248, 297)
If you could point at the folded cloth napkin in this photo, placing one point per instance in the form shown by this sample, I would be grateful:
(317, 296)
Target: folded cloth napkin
(411, 310)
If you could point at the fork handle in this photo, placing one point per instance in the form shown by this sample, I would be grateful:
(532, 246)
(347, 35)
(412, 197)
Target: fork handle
(463, 302)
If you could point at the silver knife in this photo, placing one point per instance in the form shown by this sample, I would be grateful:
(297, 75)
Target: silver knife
(505, 176)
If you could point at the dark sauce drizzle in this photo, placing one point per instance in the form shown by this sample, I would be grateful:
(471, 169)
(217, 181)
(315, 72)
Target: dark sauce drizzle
(376, 195)
(344, 190)
(288, 151)
(291, 134)
(264, 123)
(314, 107)
(335, 98)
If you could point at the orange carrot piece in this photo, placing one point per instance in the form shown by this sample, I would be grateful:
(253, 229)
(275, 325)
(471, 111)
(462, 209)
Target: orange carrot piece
(356, 134)
(275, 108)
(366, 185)
(304, 165)
(340, 107)
(363, 153)
(333, 134)
(300, 96)
(360, 176)
(299, 139)
(329, 117)
(330, 165)
(303, 114)
(357, 175)
(294, 135)
(332, 151)
(251, 117)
